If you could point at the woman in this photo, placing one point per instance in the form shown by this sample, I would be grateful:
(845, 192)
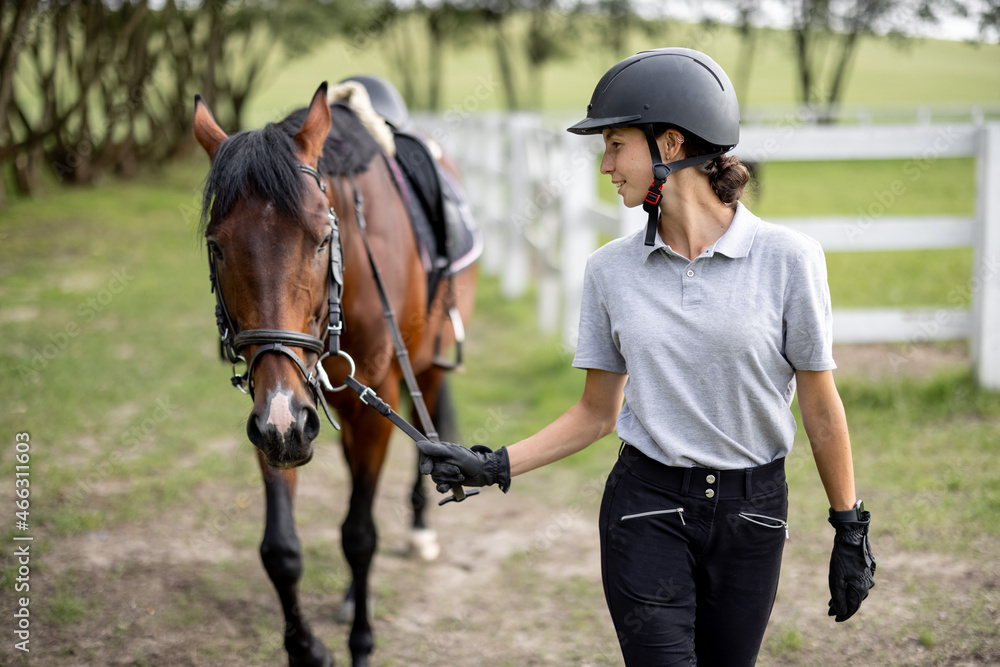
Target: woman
(705, 324)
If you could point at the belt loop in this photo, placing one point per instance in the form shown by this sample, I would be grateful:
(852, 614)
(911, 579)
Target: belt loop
(749, 487)
(621, 449)
(687, 481)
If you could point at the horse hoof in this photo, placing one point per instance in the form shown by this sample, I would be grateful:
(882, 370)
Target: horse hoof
(317, 656)
(424, 544)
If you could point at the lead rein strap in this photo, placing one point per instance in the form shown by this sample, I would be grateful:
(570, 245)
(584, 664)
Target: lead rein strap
(370, 398)
(366, 394)
(397, 338)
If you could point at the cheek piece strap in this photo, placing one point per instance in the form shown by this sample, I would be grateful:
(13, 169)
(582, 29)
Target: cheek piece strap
(651, 204)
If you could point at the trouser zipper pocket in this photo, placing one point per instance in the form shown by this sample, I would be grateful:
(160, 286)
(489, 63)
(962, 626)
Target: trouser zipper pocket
(766, 521)
(678, 511)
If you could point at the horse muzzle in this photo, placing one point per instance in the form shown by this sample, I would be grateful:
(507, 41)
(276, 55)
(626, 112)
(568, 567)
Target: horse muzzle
(283, 426)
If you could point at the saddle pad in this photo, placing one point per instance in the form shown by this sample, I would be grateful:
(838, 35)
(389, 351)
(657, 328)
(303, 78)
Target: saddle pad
(445, 229)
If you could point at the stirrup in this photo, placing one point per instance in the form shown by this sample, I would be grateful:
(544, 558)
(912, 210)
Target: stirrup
(459, 328)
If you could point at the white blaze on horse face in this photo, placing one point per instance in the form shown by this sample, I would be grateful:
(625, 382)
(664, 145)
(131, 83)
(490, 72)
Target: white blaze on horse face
(279, 412)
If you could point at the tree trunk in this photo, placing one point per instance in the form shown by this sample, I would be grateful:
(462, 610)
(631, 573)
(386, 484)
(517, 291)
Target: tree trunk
(435, 31)
(837, 84)
(12, 44)
(503, 61)
(748, 47)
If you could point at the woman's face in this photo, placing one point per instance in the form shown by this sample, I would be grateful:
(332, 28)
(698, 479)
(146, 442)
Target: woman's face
(626, 160)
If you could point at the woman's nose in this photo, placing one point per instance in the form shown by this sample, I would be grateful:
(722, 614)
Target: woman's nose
(607, 164)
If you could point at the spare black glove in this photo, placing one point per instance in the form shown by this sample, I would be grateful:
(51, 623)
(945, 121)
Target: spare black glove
(852, 565)
(449, 464)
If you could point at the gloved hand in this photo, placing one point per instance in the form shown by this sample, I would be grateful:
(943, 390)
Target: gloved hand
(852, 566)
(449, 464)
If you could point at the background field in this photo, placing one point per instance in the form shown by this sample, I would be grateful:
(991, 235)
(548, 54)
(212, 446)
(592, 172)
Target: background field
(146, 500)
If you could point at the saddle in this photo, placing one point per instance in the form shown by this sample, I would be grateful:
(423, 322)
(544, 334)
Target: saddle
(445, 229)
(447, 236)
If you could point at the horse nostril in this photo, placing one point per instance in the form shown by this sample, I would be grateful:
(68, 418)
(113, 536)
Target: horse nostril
(254, 431)
(309, 419)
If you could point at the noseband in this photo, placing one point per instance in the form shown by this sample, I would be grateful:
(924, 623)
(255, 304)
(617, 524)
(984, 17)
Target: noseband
(281, 341)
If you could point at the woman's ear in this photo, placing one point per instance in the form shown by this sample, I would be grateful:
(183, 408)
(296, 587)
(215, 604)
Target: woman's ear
(671, 145)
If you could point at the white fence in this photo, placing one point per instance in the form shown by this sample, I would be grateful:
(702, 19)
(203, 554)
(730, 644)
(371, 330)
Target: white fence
(534, 188)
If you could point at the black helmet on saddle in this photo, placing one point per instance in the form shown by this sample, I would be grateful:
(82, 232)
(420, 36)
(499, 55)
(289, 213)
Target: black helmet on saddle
(386, 100)
(682, 88)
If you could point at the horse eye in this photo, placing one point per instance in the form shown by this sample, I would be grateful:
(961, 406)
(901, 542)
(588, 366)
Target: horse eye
(214, 248)
(325, 243)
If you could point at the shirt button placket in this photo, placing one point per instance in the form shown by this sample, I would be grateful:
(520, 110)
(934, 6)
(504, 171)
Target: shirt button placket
(710, 492)
(691, 288)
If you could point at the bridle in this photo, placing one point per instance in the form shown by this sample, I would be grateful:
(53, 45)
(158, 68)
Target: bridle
(280, 341)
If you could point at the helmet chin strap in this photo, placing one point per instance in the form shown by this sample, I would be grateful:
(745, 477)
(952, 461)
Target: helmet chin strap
(651, 204)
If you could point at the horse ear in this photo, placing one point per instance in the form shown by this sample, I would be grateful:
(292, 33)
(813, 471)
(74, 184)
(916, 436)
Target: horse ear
(313, 133)
(206, 130)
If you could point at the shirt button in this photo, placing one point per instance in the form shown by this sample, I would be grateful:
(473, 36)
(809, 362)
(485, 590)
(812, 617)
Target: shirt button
(710, 479)
(709, 493)
(690, 273)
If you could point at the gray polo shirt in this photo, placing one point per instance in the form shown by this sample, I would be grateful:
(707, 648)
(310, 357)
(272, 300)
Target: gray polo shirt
(710, 346)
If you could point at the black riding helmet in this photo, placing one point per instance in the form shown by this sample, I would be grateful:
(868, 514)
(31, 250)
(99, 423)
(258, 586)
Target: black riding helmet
(386, 100)
(682, 88)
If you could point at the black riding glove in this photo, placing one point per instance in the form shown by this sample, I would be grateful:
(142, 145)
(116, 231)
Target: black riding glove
(852, 566)
(449, 464)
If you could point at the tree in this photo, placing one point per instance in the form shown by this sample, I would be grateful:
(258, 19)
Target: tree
(547, 39)
(90, 86)
(826, 35)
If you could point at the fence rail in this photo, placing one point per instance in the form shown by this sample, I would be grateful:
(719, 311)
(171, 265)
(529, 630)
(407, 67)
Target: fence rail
(535, 193)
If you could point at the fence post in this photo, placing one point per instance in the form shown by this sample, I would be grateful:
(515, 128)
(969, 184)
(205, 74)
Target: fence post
(985, 282)
(491, 202)
(629, 220)
(514, 279)
(579, 191)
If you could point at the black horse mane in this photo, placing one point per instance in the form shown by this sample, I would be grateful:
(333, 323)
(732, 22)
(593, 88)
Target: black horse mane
(263, 163)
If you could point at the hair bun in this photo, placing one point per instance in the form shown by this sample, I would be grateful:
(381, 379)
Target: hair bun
(728, 177)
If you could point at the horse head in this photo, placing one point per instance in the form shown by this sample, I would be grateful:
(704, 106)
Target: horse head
(268, 233)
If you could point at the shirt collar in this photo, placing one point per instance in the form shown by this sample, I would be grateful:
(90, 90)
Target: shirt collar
(735, 243)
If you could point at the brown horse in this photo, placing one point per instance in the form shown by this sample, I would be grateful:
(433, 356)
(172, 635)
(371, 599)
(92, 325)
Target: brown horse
(277, 199)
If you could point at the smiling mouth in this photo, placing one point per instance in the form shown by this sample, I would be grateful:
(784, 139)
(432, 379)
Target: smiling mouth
(619, 185)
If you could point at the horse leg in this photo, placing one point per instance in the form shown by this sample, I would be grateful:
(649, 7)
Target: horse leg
(434, 386)
(366, 439)
(281, 554)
